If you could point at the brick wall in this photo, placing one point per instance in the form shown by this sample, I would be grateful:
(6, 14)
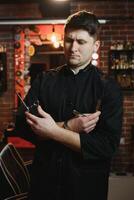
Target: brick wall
(7, 98)
(119, 27)
(12, 11)
(21, 10)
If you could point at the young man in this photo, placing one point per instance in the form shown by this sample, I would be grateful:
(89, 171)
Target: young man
(74, 140)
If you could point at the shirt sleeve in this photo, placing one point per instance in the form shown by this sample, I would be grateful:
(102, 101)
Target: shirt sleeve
(103, 141)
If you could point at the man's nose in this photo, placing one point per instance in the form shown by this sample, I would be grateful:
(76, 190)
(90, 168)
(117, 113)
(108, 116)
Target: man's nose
(74, 46)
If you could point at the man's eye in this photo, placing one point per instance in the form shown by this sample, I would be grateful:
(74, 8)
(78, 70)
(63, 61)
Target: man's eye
(81, 42)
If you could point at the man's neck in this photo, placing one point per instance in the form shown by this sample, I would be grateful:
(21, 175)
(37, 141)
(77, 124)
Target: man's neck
(76, 70)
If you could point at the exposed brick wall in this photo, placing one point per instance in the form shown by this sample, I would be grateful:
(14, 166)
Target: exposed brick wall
(115, 29)
(12, 11)
(21, 10)
(7, 99)
(119, 28)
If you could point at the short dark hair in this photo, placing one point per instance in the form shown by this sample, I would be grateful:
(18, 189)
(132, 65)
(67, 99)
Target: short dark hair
(83, 20)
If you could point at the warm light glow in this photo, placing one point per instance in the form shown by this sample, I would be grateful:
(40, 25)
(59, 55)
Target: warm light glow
(53, 37)
(95, 56)
(56, 44)
(94, 62)
(61, 43)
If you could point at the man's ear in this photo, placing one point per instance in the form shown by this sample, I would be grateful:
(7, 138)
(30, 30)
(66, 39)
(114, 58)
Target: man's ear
(96, 45)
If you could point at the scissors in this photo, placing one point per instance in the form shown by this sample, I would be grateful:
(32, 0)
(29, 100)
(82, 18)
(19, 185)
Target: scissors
(32, 108)
(24, 104)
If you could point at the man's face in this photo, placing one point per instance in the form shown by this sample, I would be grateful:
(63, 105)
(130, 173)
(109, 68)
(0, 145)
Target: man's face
(78, 47)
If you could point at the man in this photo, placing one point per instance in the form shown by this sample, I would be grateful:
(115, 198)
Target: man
(74, 141)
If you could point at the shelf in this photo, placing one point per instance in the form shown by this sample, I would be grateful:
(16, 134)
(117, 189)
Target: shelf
(121, 68)
(123, 50)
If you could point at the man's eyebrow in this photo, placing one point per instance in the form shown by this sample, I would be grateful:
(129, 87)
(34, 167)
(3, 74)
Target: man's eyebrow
(78, 39)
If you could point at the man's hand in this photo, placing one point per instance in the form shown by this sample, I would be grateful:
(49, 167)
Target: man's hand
(46, 128)
(84, 123)
(43, 126)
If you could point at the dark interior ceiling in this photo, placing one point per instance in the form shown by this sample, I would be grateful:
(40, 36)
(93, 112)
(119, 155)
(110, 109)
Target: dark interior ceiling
(51, 9)
(44, 1)
(24, 1)
(20, 1)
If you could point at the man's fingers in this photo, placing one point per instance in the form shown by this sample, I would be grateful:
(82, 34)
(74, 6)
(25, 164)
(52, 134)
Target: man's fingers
(31, 117)
(42, 113)
(34, 118)
(29, 122)
(91, 122)
(94, 115)
(93, 118)
(90, 128)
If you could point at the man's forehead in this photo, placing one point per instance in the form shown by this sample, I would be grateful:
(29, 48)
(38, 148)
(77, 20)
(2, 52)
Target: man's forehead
(79, 34)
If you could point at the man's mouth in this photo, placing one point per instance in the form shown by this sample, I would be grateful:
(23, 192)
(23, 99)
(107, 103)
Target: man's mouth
(73, 56)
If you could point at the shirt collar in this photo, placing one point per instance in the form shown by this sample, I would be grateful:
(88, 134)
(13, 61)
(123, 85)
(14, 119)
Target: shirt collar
(87, 68)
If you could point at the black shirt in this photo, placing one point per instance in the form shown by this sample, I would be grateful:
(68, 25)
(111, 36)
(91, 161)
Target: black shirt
(58, 172)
